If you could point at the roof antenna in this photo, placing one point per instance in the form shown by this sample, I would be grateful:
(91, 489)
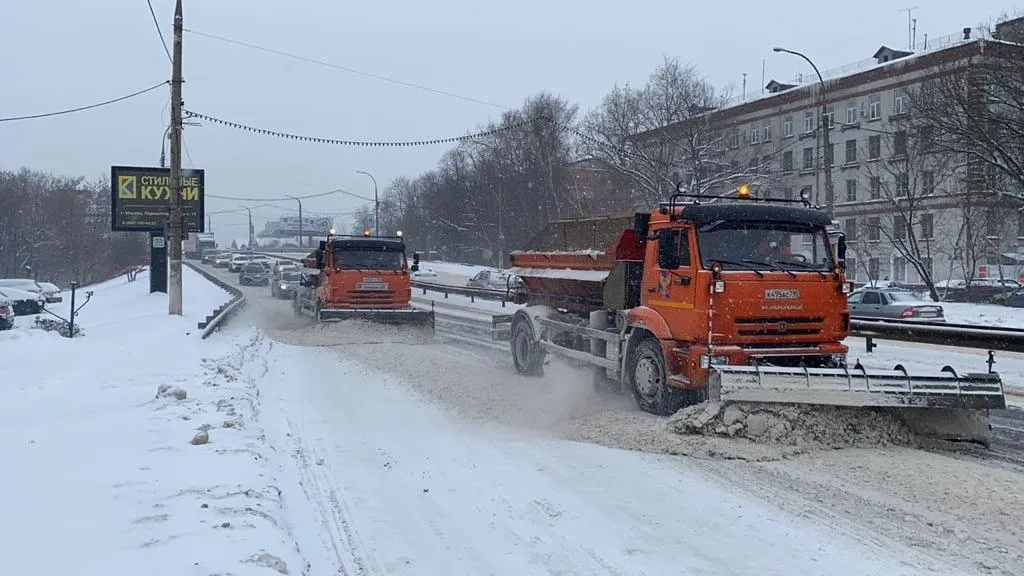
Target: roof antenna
(910, 26)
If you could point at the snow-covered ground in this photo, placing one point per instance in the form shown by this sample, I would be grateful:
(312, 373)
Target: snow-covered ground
(100, 476)
(983, 314)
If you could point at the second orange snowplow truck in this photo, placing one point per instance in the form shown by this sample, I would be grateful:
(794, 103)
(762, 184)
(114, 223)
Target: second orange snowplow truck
(721, 298)
(359, 277)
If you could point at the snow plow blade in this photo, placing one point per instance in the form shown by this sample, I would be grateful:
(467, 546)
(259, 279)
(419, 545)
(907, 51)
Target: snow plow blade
(943, 405)
(384, 316)
(856, 387)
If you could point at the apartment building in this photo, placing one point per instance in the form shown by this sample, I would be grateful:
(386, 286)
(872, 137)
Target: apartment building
(896, 198)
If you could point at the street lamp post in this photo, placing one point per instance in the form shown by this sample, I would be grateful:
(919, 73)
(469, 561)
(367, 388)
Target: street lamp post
(826, 149)
(251, 239)
(300, 219)
(376, 204)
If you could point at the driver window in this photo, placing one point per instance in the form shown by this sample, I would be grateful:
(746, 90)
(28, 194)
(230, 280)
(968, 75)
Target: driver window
(684, 249)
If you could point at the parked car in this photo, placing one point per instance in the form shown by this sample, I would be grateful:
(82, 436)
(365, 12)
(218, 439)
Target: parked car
(223, 260)
(876, 303)
(23, 302)
(26, 284)
(237, 261)
(51, 292)
(286, 284)
(6, 314)
(253, 274)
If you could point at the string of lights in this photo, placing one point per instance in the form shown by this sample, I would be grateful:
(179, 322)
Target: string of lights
(89, 107)
(361, 143)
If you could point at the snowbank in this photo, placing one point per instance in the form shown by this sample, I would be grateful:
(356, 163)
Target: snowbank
(134, 448)
(983, 314)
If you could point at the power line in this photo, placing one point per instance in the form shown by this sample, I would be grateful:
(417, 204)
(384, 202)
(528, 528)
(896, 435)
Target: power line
(347, 69)
(159, 31)
(365, 143)
(90, 106)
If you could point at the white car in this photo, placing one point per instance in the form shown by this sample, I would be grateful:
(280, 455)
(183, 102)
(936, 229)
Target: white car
(222, 260)
(26, 284)
(237, 261)
(23, 302)
(51, 292)
(6, 314)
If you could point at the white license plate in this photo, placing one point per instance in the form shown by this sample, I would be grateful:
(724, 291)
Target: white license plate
(371, 286)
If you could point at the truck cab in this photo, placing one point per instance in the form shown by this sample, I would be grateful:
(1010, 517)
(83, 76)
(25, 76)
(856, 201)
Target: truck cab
(743, 283)
(359, 276)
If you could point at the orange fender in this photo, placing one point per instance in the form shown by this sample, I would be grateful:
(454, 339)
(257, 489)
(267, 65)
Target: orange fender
(650, 320)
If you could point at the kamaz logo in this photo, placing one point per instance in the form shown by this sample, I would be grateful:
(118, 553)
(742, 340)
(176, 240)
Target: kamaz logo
(781, 294)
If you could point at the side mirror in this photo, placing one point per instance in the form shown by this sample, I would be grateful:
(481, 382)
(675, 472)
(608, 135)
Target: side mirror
(415, 268)
(841, 251)
(415, 258)
(668, 249)
(320, 259)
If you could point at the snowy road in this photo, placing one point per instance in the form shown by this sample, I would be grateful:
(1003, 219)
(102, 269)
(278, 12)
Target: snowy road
(406, 446)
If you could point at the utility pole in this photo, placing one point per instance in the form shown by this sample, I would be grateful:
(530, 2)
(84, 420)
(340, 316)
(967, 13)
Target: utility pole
(175, 224)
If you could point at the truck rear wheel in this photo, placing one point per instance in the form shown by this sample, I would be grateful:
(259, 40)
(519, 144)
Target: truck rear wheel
(527, 354)
(649, 380)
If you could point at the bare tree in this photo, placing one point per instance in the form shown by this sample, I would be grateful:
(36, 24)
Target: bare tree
(662, 133)
(915, 182)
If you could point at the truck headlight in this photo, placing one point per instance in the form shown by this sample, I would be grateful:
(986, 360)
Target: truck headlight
(284, 286)
(708, 361)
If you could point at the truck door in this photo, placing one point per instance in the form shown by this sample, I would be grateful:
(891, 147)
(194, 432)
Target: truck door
(671, 284)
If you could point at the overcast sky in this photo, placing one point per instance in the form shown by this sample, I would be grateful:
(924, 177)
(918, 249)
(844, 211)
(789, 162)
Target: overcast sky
(65, 53)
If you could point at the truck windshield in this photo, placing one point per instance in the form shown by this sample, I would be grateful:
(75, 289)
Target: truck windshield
(368, 259)
(791, 246)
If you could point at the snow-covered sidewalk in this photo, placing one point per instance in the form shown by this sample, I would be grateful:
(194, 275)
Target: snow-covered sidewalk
(100, 475)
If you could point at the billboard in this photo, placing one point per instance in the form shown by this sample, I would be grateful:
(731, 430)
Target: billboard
(140, 199)
(311, 225)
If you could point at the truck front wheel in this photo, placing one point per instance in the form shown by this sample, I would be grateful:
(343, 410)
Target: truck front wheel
(527, 353)
(648, 379)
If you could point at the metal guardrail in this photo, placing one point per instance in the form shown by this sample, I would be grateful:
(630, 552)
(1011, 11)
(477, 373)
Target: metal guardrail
(941, 333)
(225, 310)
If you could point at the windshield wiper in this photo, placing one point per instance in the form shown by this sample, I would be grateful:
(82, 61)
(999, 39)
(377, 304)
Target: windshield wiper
(803, 265)
(745, 263)
(775, 266)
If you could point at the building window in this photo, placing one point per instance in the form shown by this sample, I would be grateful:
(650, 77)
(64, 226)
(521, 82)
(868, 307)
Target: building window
(755, 134)
(851, 113)
(830, 117)
(850, 229)
(927, 226)
(851, 268)
(873, 269)
(875, 188)
(787, 126)
(766, 132)
(902, 185)
(874, 229)
(734, 138)
(899, 143)
(851, 151)
(899, 227)
(927, 182)
(899, 269)
(1020, 224)
(851, 190)
(874, 147)
(874, 107)
(808, 121)
(925, 138)
(899, 105)
(808, 158)
(787, 193)
(787, 161)
(830, 154)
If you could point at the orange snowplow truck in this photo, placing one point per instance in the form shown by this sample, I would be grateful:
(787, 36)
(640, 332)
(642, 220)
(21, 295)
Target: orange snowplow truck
(721, 298)
(359, 277)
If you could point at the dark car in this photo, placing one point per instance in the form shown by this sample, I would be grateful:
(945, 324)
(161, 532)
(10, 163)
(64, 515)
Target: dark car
(23, 302)
(253, 274)
(286, 285)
